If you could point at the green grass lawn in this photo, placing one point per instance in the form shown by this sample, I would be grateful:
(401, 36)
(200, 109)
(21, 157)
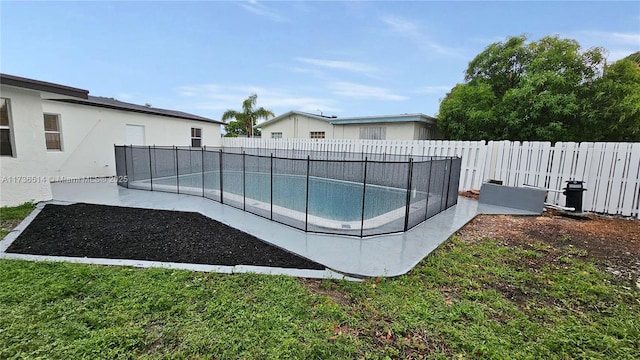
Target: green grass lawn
(466, 300)
(11, 216)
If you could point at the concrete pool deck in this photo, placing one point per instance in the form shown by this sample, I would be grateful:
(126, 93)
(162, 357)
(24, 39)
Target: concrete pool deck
(382, 255)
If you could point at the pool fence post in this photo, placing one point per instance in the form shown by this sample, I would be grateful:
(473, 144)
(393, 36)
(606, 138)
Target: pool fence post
(155, 158)
(126, 172)
(449, 182)
(444, 180)
(244, 182)
(406, 214)
(426, 212)
(306, 210)
(150, 169)
(220, 162)
(133, 173)
(190, 160)
(271, 185)
(177, 171)
(202, 149)
(364, 194)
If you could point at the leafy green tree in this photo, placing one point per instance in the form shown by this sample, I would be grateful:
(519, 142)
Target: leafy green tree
(635, 57)
(546, 90)
(616, 102)
(234, 129)
(245, 119)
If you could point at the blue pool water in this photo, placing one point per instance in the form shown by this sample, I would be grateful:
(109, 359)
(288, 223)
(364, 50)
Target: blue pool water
(329, 199)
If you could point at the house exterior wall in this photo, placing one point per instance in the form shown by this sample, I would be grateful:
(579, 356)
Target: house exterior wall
(395, 131)
(24, 176)
(430, 129)
(297, 127)
(89, 133)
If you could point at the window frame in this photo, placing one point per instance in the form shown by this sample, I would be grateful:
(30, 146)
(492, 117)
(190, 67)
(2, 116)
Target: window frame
(195, 136)
(59, 132)
(9, 127)
(366, 132)
(426, 133)
(316, 135)
(279, 133)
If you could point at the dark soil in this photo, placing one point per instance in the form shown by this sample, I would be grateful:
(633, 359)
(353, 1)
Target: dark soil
(99, 231)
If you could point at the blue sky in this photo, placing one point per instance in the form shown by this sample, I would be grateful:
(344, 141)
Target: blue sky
(339, 58)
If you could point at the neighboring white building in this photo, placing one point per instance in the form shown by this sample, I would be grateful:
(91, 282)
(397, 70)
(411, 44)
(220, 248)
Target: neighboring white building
(300, 125)
(51, 131)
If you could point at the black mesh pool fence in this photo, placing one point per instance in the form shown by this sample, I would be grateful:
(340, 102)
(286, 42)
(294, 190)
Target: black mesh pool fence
(353, 194)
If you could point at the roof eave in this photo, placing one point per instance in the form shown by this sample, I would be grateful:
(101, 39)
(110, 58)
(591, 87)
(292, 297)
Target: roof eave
(43, 86)
(287, 114)
(140, 111)
(420, 119)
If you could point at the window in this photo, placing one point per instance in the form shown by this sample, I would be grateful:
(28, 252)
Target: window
(373, 133)
(426, 133)
(317, 134)
(6, 145)
(196, 137)
(276, 135)
(52, 132)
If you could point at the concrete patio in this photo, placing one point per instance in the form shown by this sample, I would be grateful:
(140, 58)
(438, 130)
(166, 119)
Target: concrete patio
(383, 255)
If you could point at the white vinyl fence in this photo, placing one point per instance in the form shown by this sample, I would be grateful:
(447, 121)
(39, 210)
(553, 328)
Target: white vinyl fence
(611, 171)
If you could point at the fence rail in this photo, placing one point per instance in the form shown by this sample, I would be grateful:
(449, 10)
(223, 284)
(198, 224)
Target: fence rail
(354, 194)
(611, 170)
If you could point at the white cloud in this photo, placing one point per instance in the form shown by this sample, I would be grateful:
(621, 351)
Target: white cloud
(619, 38)
(360, 91)
(486, 41)
(341, 65)
(260, 9)
(411, 30)
(401, 25)
(619, 54)
(124, 96)
(434, 89)
(302, 70)
(214, 97)
(618, 44)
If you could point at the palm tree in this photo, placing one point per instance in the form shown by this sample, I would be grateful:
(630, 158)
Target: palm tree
(248, 115)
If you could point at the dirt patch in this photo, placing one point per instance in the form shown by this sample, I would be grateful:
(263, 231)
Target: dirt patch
(473, 194)
(99, 231)
(612, 242)
(316, 287)
(8, 225)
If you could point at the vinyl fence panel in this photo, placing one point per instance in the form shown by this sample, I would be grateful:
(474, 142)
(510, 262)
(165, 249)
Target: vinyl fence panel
(611, 171)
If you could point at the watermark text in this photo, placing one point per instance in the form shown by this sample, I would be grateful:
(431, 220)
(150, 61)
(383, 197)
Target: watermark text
(63, 179)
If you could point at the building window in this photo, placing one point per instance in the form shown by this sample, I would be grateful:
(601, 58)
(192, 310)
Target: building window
(373, 133)
(6, 143)
(276, 135)
(196, 137)
(426, 133)
(317, 134)
(52, 132)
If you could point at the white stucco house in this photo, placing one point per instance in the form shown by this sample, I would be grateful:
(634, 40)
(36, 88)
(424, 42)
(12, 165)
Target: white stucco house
(301, 125)
(50, 132)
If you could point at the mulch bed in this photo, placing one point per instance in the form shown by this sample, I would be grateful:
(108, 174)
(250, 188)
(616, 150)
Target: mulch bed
(99, 231)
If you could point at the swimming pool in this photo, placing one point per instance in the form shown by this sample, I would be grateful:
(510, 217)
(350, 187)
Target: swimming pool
(349, 197)
(335, 200)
